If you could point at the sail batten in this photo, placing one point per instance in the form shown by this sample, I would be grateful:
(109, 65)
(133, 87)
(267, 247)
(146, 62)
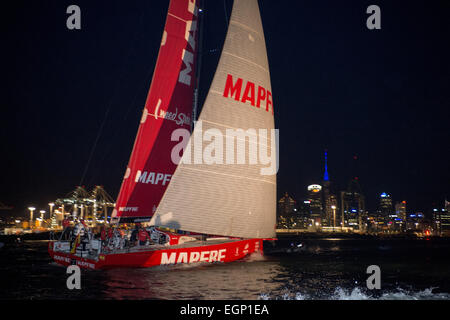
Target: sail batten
(230, 175)
(207, 194)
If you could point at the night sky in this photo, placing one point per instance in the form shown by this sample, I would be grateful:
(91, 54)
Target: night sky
(382, 95)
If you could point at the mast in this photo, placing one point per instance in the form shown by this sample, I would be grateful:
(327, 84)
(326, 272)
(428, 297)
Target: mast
(199, 61)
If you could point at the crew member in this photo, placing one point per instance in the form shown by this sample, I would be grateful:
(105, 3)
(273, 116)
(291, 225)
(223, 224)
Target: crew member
(66, 223)
(122, 238)
(143, 236)
(134, 235)
(66, 229)
(82, 231)
(110, 233)
(103, 235)
(117, 239)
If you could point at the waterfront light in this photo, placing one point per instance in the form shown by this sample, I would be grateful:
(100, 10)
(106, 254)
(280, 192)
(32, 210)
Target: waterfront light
(334, 216)
(51, 205)
(31, 215)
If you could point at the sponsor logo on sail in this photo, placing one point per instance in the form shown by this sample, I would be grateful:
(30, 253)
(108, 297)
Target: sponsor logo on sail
(179, 118)
(258, 98)
(188, 56)
(149, 177)
(128, 209)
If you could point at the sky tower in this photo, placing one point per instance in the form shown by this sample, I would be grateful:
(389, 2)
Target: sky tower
(329, 199)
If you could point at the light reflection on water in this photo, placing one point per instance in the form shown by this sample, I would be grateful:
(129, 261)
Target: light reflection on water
(320, 270)
(237, 280)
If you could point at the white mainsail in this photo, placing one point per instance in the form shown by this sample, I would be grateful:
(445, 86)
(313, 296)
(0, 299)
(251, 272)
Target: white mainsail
(230, 199)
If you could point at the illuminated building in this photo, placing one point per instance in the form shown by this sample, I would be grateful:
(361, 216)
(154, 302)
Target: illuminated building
(371, 222)
(332, 211)
(303, 215)
(445, 220)
(329, 199)
(286, 210)
(353, 207)
(400, 211)
(415, 221)
(386, 215)
(386, 204)
(441, 220)
(315, 198)
(286, 204)
(352, 203)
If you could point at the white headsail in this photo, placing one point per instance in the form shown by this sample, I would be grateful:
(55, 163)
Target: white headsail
(215, 190)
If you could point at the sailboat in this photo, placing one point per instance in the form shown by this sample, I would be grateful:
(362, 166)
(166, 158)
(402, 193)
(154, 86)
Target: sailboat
(209, 204)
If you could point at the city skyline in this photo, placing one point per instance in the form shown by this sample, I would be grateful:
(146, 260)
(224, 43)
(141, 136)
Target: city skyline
(338, 186)
(325, 177)
(326, 210)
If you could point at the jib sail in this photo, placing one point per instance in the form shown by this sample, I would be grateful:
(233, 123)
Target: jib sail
(215, 190)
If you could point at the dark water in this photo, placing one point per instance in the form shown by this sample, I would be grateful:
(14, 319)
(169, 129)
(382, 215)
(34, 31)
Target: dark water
(325, 269)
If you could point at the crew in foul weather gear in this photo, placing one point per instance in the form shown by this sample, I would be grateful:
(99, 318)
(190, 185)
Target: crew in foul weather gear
(143, 236)
(66, 229)
(134, 235)
(103, 236)
(81, 230)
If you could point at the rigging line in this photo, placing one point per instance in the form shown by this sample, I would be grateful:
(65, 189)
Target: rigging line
(95, 144)
(116, 132)
(109, 106)
(225, 10)
(144, 85)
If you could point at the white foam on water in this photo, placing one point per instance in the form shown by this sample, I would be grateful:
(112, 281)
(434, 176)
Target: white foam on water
(180, 266)
(355, 294)
(254, 256)
(426, 294)
(359, 294)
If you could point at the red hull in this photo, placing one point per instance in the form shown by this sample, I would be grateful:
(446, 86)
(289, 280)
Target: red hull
(208, 253)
